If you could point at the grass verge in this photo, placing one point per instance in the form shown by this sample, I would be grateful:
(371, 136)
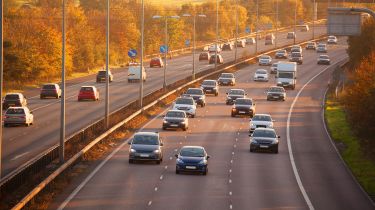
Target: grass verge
(350, 149)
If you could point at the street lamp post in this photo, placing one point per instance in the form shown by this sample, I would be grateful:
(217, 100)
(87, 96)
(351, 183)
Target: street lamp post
(1, 79)
(107, 71)
(63, 91)
(295, 22)
(194, 45)
(165, 43)
(235, 52)
(217, 32)
(314, 18)
(141, 59)
(256, 27)
(277, 21)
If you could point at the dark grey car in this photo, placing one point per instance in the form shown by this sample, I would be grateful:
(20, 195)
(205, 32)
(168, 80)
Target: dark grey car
(264, 139)
(243, 106)
(197, 94)
(146, 146)
(233, 95)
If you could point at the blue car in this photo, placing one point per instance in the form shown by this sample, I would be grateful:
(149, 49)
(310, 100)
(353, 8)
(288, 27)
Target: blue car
(192, 159)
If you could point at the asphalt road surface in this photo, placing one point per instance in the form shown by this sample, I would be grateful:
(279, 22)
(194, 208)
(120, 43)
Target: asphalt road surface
(237, 179)
(20, 144)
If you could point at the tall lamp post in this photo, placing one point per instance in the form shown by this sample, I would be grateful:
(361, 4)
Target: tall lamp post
(295, 22)
(165, 43)
(277, 21)
(193, 51)
(63, 89)
(141, 59)
(1, 79)
(236, 38)
(256, 27)
(107, 71)
(217, 32)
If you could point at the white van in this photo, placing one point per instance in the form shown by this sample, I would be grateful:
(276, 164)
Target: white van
(134, 73)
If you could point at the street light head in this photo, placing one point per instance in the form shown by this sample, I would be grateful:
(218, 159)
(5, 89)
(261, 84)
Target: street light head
(175, 16)
(186, 15)
(201, 15)
(156, 17)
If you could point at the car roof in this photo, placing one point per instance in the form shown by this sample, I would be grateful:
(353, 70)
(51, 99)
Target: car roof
(17, 107)
(237, 89)
(198, 88)
(260, 70)
(50, 84)
(277, 87)
(262, 115)
(88, 86)
(144, 133)
(197, 147)
(13, 94)
(209, 80)
(174, 110)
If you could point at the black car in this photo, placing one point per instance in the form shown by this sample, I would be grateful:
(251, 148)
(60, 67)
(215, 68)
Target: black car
(227, 46)
(176, 119)
(146, 146)
(13, 100)
(210, 87)
(276, 93)
(198, 95)
(192, 159)
(227, 79)
(264, 139)
(50, 90)
(100, 77)
(233, 95)
(296, 57)
(243, 106)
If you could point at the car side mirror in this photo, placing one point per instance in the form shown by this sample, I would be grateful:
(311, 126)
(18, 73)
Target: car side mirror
(176, 155)
(31, 112)
(278, 137)
(295, 77)
(227, 93)
(161, 144)
(208, 156)
(129, 142)
(276, 76)
(254, 104)
(245, 94)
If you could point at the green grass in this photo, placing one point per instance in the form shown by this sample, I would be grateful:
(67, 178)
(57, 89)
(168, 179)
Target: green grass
(340, 130)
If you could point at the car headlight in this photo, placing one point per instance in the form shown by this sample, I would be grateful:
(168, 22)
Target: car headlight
(164, 121)
(179, 161)
(253, 141)
(183, 122)
(133, 150)
(252, 125)
(156, 151)
(278, 82)
(201, 97)
(275, 142)
(202, 162)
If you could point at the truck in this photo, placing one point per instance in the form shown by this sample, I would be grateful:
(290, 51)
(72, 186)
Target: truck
(134, 72)
(286, 74)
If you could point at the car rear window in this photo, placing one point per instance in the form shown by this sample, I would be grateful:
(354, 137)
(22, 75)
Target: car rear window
(15, 111)
(102, 73)
(261, 71)
(236, 92)
(192, 152)
(261, 118)
(209, 82)
(49, 87)
(244, 102)
(323, 56)
(227, 76)
(175, 114)
(264, 57)
(185, 101)
(195, 91)
(264, 133)
(12, 97)
(145, 139)
(276, 89)
(87, 89)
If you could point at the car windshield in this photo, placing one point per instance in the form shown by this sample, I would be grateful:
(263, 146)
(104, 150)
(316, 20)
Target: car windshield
(49, 87)
(175, 114)
(287, 75)
(236, 92)
(281, 52)
(264, 57)
(261, 72)
(276, 89)
(185, 101)
(194, 91)
(296, 54)
(15, 111)
(192, 152)
(212, 83)
(261, 118)
(323, 56)
(86, 89)
(226, 75)
(145, 139)
(102, 73)
(244, 102)
(321, 45)
(203, 54)
(12, 96)
(264, 133)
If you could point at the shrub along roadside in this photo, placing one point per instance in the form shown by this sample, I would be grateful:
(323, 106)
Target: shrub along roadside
(349, 146)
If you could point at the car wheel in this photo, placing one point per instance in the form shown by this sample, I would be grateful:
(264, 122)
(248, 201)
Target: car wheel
(27, 124)
(276, 150)
(184, 128)
(164, 128)
(205, 172)
(177, 171)
(252, 150)
(158, 162)
(202, 104)
(216, 94)
(41, 97)
(6, 125)
(131, 161)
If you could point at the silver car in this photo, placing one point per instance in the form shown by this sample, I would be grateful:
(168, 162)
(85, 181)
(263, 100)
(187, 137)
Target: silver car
(18, 116)
(146, 146)
(265, 60)
(186, 104)
(261, 121)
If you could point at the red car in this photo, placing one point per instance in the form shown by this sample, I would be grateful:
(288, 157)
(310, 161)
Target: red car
(88, 93)
(156, 62)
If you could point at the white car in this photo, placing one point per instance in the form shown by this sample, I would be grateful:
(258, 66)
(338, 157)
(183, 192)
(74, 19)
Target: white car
(18, 116)
(213, 48)
(261, 75)
(250, 41)
(186, 104)
(260, 121)
(274, 68)
(321, 48)
(265, 60)
(332, 40)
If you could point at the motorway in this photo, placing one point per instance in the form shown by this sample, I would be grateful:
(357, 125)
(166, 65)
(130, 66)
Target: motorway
(21, 144)
(237, 179)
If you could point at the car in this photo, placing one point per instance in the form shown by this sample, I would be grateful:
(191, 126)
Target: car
(227, 47)
(283, 54)
(219, 58)
(88, 93)
(264, 139)
(50, 90)
(233, 95)
(274, 68)
(135, 73)
(291, 35)
(269, 39)
(265, 60)
(100, 76)
(14, 99)
(210, 87)
(303, 28)
(192, 159)
(276, 93)
(156, 62)
(311, 46)
(241, 43)
(261, 75)
(324, 59)
(186, 104)
(176, 119)
(146, 146)
(212, 48)
(243, 106)
(197, 94)
(321, 48)
(261, 121)
(204, 56)
(296, 57)
(227, 79)
(332, 40)
(296, 48)
(18, 116)
(250, 41)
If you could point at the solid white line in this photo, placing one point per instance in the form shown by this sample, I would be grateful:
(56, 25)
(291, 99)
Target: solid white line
(92, 174)
(18, 156)
(291, 156)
